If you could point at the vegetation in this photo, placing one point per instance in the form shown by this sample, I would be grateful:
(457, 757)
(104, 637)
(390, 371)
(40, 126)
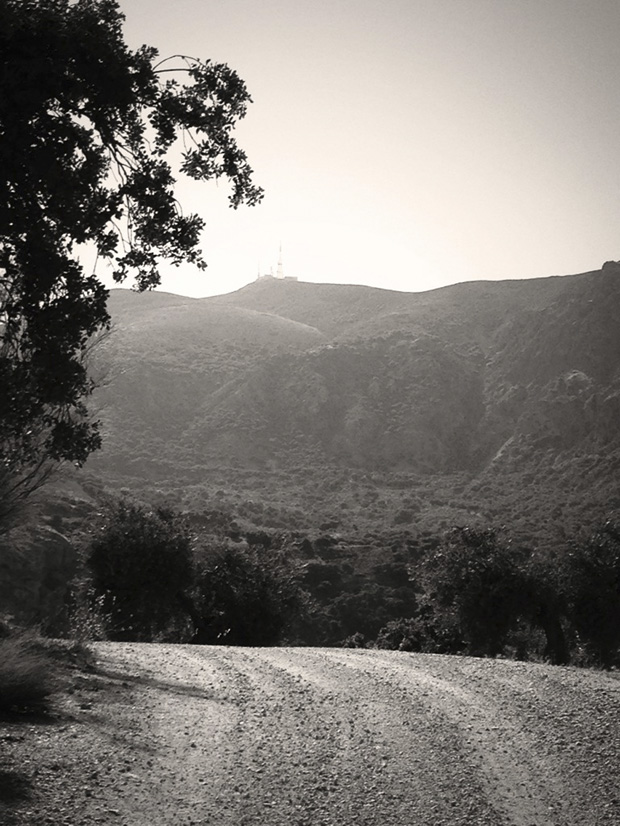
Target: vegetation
(152, 574)
(294, 405)
(481, 597)
(245, 597)
(151, 579)
(28, 672)
(140, 563)
(476, 585)
(591, 580)
(86, 126)
(468, 591)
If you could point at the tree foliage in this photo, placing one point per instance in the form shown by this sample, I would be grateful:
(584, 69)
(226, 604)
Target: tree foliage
(475, 584)
(591, 585)
(245, 597)
(86, 132)
(140, 564)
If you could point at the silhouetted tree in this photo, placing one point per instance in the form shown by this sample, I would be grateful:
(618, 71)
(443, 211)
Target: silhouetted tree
(545, 606)
(475, 584)
(244, 597)
(591, 581)
(85, 129)
(140, 563)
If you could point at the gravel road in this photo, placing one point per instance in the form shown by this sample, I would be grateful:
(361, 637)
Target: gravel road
(184, 735)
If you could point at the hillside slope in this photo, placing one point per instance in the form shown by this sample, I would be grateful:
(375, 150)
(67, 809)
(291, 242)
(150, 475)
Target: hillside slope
(479, 394)
(347, 309)
(200, 735)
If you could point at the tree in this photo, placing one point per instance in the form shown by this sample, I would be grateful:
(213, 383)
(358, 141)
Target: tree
(244, 597)
(591, 583)
(475, 584)
(86, 129)
(542, 596)
(141, 565)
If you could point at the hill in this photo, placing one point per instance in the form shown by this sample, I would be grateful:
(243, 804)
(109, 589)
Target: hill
(297, 404)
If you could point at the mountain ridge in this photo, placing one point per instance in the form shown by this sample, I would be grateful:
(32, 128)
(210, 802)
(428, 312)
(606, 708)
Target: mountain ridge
(287, 297)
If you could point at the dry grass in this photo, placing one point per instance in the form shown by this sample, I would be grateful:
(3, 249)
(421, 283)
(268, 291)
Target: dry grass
(28, 673)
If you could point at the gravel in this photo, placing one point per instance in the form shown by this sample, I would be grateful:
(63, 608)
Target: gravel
(182, 735)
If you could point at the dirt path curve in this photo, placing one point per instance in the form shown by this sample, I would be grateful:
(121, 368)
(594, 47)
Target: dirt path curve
(329, 737)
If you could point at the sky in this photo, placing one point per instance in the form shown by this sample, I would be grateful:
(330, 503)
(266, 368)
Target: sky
(407, 144)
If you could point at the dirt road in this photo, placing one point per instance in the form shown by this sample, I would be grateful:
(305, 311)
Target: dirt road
(322, 737)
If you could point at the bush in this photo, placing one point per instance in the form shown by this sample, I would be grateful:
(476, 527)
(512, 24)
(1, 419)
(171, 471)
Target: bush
(591, 584)
(87, 620)
(140, 565)
(245, 597)
(368, 610)
(28, 673)
(476, 584)
(400, 635)
(356, 640)
(424, 632)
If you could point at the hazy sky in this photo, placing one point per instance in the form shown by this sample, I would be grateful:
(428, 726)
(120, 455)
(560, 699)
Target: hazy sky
(408, 144)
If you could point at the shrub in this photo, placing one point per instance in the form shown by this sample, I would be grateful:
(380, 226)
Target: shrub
(140, 564)
(28, 673)
(364, 612)
(424, 632)
(245, 597)
(477, 583)
(591, 584)
(87, 620)
(356, 640)
(400, 635)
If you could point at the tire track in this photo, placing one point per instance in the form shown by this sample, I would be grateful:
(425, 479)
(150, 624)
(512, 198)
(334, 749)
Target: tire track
(516, 779)
(220, 736)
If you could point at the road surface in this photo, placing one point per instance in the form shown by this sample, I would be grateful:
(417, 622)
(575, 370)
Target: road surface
(223, 736)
